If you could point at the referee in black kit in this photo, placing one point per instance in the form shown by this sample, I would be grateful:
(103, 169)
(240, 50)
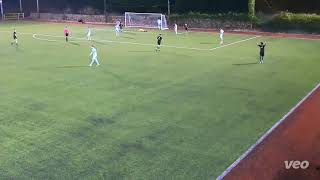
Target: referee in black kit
(262, 49)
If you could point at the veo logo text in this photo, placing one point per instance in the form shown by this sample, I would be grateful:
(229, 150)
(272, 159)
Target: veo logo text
(296, 164)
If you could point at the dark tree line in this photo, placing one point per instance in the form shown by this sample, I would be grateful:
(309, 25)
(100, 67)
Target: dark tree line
(178, 6)
(290, 5)
(212, 5)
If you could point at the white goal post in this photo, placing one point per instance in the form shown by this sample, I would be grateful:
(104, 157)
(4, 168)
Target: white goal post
(145, 20)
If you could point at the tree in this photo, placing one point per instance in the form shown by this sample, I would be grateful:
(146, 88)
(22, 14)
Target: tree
(251, 7)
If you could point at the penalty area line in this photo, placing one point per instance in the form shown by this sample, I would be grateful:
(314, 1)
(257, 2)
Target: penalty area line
(42, 39)
(51, 40)
(237, 42)
(37, 36)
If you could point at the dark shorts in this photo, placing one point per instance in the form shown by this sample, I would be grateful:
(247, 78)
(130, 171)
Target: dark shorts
(67, 34)
(159, 43)
(15, 37)
(261, 53)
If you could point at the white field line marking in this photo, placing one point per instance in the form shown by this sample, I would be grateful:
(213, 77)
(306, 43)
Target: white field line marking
(237, 42)
(109, 41)
(18, 33)
(264, 136)
(132, 43)
(18, 26)
(155, 31)
(301, 38)
(112, 30)
(42, 39)
(144, 44)
(50, 40)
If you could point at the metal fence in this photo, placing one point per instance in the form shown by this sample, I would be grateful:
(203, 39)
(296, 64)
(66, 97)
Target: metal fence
(83, 6)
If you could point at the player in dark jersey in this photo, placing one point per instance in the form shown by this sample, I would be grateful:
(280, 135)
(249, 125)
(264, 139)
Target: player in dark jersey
(186, 27)
(262, 48)
(15, 38)
(121, 26)
(159, 40)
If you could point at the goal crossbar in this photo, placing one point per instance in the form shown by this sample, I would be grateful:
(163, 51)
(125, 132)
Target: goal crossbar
(146, 20)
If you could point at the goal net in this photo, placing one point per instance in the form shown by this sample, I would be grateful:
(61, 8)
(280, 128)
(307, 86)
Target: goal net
(145, 20)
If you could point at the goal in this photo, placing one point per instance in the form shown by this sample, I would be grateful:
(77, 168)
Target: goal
(145, 20)
(13, 16)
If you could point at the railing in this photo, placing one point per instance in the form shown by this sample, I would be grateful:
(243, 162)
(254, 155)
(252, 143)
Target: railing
(13, 16)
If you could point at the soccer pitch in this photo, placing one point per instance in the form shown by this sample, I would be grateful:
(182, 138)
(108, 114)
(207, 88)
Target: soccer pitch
(186, 112)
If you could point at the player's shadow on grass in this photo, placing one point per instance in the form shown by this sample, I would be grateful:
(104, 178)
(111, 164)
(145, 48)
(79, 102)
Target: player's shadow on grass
(132, 33)
(66, 67)
(245, 64)
(142, 51)
(127, 37)
(123, 79)
(74, 43)
(116, 76)
(207, 43)
(18, 49)
(99, 42)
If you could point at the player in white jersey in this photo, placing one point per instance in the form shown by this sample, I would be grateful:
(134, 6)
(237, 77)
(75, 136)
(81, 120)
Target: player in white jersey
(94, 56)
(159, 24)
(176, 28)
(89, 32)
(117, 29)
(221, 36)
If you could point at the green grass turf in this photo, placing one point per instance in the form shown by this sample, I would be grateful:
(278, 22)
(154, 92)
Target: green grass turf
(177, 114)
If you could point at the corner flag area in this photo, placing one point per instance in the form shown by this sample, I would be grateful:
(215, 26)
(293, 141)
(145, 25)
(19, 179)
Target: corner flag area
(279, 153)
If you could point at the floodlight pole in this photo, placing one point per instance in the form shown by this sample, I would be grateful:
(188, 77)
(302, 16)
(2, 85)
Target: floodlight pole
(38, 10)
(20, 6)
(168, 7)
(105, 9)
(1, 7)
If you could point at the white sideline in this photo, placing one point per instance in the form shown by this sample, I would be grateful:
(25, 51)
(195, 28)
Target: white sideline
(264, 136)
(142, 44)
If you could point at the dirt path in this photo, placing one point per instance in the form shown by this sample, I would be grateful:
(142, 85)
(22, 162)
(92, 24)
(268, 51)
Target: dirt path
(297, 137)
